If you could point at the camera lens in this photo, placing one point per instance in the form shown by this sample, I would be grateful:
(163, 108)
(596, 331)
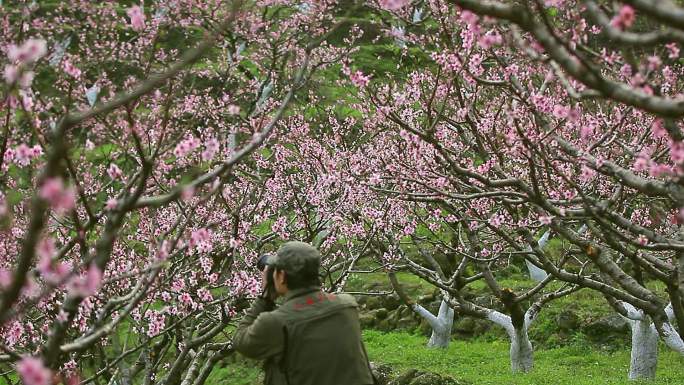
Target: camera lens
(261, 263)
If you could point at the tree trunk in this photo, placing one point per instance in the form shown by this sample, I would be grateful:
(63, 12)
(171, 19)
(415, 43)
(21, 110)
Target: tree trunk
(537, 274)
(441, 332)
(644, 358)
(522, 357)
(522, 354)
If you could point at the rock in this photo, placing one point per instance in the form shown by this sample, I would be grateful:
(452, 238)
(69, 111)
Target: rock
(430, 379)
(391, 302)
(406, 378)
(607, 329)
(385, 325)
(417, 377)
(380, 314)
(367, 320)
(361, 300)
(470, 326)
(403, 311)
(567, 320)
(382, 372)
(373, 302)
(406, 323)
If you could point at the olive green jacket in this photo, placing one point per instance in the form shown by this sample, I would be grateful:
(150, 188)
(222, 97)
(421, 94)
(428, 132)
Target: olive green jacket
(313, 338)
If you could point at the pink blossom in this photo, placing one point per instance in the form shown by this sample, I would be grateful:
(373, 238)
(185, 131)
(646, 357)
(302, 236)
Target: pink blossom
(234, 243)
(71, 70)
(677, 152)
(654, 62)
(204, 295)
(157, 321)
(657, 170)
(374, 179)
(85, 286)
(5, 278)
(642, 240)
(587, 131)
(359, 79)
(625, 18)
(163, 251)
(32, 371)
(11, 73)
(178, 285)
(62, 199)
(23, 155)
(642, 162)
(211, 147)
(111, 204)
(673, 50)
(26, 79)
(489, 39)
(495, 220)
(46, 248)
(233, 109)
(186, 146)
(469, 18)
(185, 299)
(206, 264)
(114, 171)
(545, 220)
(587, 173)
(52, 272)
(560, 111)
(29, 52)
(62, 316)
(14, 334)
(658, 130)
(200, 240)
(137, 16)
(393, 5)
(554, 3)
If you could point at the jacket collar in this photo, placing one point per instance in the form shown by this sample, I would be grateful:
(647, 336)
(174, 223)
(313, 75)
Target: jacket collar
(301, 291)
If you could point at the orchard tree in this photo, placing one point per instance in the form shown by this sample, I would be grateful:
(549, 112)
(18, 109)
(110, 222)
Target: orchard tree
(559, 114)
(131, 214)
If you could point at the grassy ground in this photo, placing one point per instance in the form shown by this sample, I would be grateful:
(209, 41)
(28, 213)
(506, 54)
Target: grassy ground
(483, 363)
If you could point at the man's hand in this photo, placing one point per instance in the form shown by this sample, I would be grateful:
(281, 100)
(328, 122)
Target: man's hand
(268, 291)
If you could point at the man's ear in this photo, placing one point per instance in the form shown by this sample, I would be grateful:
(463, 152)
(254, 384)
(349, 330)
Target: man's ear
(280, 275)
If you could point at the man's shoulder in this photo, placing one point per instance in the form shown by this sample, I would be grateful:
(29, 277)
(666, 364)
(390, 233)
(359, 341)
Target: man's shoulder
(315, 302)
(270, 318)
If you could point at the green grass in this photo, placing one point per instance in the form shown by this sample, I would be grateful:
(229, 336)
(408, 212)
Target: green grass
(487, 363)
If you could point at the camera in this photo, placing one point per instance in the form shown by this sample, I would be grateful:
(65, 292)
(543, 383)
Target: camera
(269, 287)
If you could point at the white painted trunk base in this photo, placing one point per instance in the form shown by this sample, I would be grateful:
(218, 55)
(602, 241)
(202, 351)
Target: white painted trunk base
(441, 325)
(644, 357)
(522, 355)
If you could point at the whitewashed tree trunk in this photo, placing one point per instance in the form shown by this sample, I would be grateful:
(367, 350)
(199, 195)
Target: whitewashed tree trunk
(669, 334)
(521, 353)
(441, 325)
(644, 357)
(537, 274)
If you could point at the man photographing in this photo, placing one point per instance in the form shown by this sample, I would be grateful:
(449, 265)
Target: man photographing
(314, 337)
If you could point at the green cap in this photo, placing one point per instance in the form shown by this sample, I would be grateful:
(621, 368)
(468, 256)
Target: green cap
(295, 258)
